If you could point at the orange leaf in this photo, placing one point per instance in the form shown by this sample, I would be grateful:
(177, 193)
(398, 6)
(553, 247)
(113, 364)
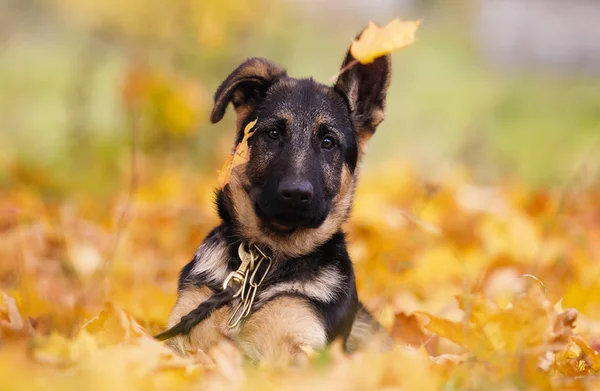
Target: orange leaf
(378, 41)
(239, 156)
(461, 334)
(113, 325)
(408, 329)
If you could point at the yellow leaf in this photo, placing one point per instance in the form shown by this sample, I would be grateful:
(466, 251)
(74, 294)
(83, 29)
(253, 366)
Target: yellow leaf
(378, 41)
(592, 358)
(113, 325)
(224, 174)
(238, 157)
(10, 317)
(56, 349)
(465, 335)
(478, 308)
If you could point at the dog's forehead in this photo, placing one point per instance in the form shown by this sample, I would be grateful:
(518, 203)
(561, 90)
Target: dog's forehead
(304, 100)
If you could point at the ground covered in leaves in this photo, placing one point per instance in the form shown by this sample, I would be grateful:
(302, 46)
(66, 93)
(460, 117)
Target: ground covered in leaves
(491, 288)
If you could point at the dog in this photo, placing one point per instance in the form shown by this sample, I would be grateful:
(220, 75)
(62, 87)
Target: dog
(289, 201)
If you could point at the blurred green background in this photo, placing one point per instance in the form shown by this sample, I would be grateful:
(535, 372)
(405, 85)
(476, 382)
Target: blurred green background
(508, 92)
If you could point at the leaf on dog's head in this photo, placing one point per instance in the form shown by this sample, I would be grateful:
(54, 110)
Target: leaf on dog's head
(378, 41)
(238, 157)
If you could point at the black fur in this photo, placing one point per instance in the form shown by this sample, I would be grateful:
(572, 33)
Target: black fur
(203, 311)
(337, 315)
(303, 113)
(301, 172)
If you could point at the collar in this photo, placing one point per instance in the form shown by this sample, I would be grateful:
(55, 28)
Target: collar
(246, 279)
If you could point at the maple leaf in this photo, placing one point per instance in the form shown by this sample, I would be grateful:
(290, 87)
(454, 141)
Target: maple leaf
(408, 329)
(378, 41)
(463, 334)
(238, 157)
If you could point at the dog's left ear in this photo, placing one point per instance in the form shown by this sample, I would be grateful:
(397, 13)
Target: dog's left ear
(245, 87)
(365, 87)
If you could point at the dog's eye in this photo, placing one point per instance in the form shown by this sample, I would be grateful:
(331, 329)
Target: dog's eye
(327, 142)
(274, 134)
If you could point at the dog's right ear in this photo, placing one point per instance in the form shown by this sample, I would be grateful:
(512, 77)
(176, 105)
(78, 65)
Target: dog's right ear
(245, 87)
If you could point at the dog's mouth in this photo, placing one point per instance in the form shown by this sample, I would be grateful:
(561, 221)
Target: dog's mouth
(286, 221)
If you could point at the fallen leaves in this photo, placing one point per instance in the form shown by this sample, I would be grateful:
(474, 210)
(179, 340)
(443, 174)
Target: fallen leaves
(489, 329)
(239, 157)
(11, 321)
(527, 336)
(113, 325)
(113, 348)
(408, 330)
(378, 41)
(449, 275)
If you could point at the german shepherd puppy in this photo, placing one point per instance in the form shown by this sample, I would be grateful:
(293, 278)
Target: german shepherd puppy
(290, 200)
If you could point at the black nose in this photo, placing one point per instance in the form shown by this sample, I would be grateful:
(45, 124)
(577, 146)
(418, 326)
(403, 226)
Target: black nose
(295, 192)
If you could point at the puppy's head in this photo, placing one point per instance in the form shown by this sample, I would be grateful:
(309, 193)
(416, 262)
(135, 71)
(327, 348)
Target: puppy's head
(297, 187)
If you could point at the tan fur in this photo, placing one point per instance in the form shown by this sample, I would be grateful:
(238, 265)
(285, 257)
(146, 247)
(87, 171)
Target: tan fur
(276, 333)
(321, 118)
(362, 139)
(279, 329)
(324, 287)
(301, 241)
(367, 122)
(208, 332)
(241, 113)
(256, 70)
(212, 261)
(261, 68)
(289, 82)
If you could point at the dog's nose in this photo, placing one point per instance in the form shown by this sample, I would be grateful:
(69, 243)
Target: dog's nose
(295, 192)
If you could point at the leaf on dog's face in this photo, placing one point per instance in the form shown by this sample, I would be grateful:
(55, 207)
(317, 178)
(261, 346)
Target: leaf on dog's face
(238, 157)
(378, 41)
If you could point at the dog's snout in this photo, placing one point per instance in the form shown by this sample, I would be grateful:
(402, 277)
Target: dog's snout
(295, 192)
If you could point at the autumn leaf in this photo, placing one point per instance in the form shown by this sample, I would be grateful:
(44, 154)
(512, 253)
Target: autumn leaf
(11, 320)
(239, 156)
(113, 325)
(58, 350)
(462, 334)
(592, 358)
(522, 336)
(408, 329)
(503, 333)
(378, 41)
(564, 326)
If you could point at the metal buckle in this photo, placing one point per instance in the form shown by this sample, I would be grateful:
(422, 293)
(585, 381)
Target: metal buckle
(246, 277)
(239, 276)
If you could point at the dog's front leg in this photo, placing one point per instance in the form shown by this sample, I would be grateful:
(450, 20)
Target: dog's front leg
(208, 332)
(276, 333)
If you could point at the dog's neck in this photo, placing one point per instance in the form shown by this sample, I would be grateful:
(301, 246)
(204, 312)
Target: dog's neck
(295, 244)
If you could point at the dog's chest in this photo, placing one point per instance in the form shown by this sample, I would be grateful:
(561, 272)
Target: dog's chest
(213, 263)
